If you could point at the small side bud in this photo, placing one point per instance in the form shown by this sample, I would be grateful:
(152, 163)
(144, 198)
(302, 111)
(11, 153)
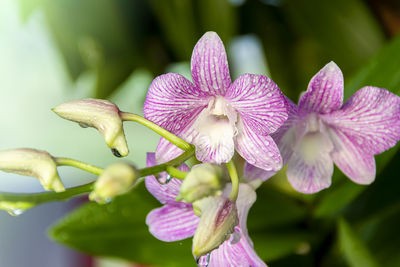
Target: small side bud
(100, 114)
(218, 219)
(34, 163)
(203, 180)
(115, 180)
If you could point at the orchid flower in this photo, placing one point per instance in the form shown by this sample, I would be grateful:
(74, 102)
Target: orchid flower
(177, 220)
(321, 131)
(215, 114)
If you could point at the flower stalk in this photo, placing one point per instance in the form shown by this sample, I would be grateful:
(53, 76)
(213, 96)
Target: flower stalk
(234, 179)
(182, 144)
(78, 164)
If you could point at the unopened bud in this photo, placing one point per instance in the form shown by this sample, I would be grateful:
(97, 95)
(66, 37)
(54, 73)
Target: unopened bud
(218, 219)
(116, 179)
(100, 114)
(34, 163)
(203, 180)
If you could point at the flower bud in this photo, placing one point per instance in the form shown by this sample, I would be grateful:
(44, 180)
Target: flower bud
(100, 114)
(218, 219)
(115, 180)
(203, 180)
(32, 162)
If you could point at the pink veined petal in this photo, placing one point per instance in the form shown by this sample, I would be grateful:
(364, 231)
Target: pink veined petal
(351, 159)
(231, 253)
(284, 137)
(172, 101)
(251, 173)
(210, 69)
(370, 119)
(325, 90)
(172, 223)
(310, 176)
(166, 151)
(165, 193)
(259, 101)
(260, 151)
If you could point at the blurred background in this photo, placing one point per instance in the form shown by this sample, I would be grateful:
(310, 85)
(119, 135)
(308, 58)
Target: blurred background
(52, 51)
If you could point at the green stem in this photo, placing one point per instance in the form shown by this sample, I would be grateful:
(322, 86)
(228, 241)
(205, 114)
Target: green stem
(234, 179)
(174, 172)
(78, 164)
(38, 198)
(182, 144)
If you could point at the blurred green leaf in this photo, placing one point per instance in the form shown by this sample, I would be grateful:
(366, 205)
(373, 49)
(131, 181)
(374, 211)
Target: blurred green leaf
(118, 229)
(354, 250)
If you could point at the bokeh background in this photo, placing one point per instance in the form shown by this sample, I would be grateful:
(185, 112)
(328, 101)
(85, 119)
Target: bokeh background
(53, 51)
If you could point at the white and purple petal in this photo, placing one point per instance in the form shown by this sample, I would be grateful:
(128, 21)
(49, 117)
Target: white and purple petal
(259, 102)
(251, 173)
(355, 163)
(209, 64)
(165, 193)
(370, 119)
(172, 102)
(172, 223)
(325, 91)
(260, 151)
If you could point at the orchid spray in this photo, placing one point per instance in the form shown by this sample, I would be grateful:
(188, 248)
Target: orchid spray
(208, 127)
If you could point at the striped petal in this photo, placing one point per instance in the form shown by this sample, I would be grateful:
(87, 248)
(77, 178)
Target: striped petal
(259, 101)
(252, 173)
(165, 193)
(370, 119)
(325, 91)
(310, 176)
(284, 137)
(172, 102)
(260, 151)
(351, 159)
(171, 223)
(210, 71)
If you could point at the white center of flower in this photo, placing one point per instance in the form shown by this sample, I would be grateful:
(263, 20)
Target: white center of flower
(216, 127)
(313, 139)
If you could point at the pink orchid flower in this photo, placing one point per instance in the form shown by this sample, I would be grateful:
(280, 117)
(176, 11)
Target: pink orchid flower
(176, 220)
(321, 130)
(215, 114)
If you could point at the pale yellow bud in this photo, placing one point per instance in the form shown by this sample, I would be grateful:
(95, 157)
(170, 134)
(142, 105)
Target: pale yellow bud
(32, 162)
(218, 219)
(116, 179)
(100, 114)
(203, 180)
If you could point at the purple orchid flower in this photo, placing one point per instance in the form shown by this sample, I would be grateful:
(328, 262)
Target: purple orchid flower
(216, 115)
(176, 221)
(321, 131)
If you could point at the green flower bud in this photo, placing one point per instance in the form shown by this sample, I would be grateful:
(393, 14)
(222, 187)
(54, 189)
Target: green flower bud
(100, 114)
(218, 219)
(34, 163)
(116, 179)
(203, 180)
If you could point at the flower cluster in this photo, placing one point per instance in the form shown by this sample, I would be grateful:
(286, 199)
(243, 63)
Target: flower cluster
(252, 117)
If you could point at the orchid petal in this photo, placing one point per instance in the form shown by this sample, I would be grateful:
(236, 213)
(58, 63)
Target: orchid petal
(351, 159)
(284, 137)
(325, 90)
(370, 119)
(232, 253)
(165, 193)
(172, 223)
(209, 62)
(259, 101)
(310, 167)
(252, 173)
(172, 102)
(260, 151)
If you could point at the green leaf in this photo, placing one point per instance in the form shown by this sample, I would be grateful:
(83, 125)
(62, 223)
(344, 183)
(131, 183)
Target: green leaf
(354, 250)
(118, 229)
